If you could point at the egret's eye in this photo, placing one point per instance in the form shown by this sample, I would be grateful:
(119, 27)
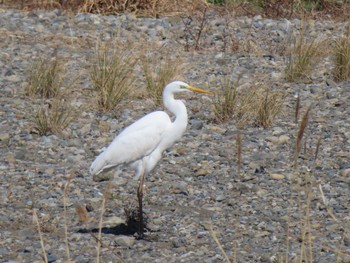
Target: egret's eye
(183, 87)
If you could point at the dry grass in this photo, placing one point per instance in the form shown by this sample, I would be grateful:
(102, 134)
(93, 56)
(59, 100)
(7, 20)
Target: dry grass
(33, 4)
(100, 225)
(65, 202)
(195, 24)
(54, 117)
(36, 221)
(213, 235)
(226, 100)
(302, 56)
(301, 131)
(239, 152)
(257, 105)
(155, 8)
(159, 71)
(341, 71)
(297, 108)
(269, 105)
(82, 213)
(112, 74)
(150, 8)
(45, 77)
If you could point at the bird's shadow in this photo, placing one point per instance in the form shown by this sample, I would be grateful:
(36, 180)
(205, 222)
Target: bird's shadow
(121, 229)
(130, 228)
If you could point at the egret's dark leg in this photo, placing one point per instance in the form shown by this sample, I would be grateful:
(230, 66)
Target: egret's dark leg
(140, 197)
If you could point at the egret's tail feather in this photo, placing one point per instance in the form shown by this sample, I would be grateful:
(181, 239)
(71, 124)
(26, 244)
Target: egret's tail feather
(102, 164)
(98, 165)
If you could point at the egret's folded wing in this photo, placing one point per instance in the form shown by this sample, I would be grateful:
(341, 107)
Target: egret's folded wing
(134, 142)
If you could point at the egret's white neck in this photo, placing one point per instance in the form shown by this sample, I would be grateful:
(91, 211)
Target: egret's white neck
(178, 108)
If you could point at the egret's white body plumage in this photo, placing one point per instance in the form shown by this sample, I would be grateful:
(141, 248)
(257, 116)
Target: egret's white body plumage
(141, 144)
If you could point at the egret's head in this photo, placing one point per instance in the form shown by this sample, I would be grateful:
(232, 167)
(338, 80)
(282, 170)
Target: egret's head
(179, 86)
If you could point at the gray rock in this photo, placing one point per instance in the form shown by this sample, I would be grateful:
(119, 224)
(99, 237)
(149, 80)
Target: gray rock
(124, 241)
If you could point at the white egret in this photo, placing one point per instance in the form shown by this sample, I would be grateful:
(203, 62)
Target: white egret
(141, 144)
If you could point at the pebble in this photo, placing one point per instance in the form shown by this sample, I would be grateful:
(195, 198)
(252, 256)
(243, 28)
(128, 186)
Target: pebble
(277, 176)
(5, 136)
(124, 241)
(283, 139)
(202, 172)
(345, 172)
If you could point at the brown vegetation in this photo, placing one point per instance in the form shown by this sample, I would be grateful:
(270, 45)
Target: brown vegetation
(154, 8)
(256, 105)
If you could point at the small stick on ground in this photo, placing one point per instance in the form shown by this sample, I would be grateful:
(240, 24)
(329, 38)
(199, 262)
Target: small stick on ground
(66, 187)
(288, 234)
(100, 226)
(239, 152)
(213, 235)
(99, 238)
(36, 220)
(317, 148)
(326, 203)
(234, 244)
(297, 108)
(300, 135)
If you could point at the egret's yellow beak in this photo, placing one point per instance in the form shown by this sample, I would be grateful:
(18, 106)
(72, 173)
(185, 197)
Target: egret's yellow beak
(199, 90)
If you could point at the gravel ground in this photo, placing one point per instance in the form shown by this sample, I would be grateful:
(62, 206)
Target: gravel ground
(260, 215)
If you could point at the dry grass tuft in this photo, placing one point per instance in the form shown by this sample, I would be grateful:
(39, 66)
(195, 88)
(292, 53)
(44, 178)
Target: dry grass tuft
(226, 100)
(342, 57)
(82, 214)
(54, 117)
(302, 56)
(257, 105)
(159, 71)
(151, 8)
(269, 104)
(112, 74)
(45, 77)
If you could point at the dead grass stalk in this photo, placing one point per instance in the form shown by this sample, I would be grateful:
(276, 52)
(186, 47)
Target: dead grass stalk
(45, 77)
(158, 73)
(65, 194)
(112, 74)
(257, 105)
(270, 105)
(213, 235)
(100, 225)
(54, 117)
(36, 221)
(300, 135)
(297, 108)
(239, 152)
(226, 100)
(342, 57)
(302, 56)
(149, 8)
